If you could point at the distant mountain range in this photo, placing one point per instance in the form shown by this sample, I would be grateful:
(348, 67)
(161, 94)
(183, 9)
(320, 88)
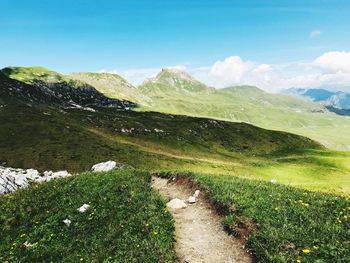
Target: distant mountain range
(176, 92)
(338, 100)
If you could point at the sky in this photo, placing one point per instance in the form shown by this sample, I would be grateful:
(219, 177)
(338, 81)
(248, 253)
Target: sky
(274, 44)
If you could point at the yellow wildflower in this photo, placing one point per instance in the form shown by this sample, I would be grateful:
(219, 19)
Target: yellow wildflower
(306, 251)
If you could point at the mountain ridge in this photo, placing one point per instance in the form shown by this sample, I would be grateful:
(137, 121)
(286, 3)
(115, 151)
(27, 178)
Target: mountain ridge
(175, 92)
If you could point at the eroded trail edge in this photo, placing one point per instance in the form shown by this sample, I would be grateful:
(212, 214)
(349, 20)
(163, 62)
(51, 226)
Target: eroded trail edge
(198, 229)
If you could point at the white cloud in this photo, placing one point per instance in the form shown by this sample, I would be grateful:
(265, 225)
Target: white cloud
(330, 70)
(337, 61)
(315, 33)
(231, 70)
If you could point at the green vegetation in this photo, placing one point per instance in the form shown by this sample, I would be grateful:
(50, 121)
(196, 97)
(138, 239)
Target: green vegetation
(112, 85)
(46, 138)
(175, 92)
(250, 105)
(35, 75)
(126, 222)
(286, 224)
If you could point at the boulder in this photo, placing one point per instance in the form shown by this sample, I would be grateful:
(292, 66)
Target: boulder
(49, 175)
(191, 199)
(104, 167)
(83, 208)
(176, 204)
(273, 181)
(67, 222)
(12, 179)
(196, 193)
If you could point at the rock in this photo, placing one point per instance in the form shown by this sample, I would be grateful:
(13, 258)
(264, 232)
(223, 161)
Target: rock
(12, 179)
(273, 181)
(191, 199)
(176, 204)
(67, 222)
(196, 193)
(28, 245)
(83, 208)
(104, 167)
(49, 175)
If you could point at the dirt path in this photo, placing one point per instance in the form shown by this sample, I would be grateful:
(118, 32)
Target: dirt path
(198, 229)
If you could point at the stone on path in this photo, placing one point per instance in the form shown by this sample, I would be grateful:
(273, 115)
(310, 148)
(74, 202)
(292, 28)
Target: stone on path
(176, 204)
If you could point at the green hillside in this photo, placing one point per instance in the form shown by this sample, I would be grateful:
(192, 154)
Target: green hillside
(126, 221)
(45, 137)
(251, 105)
(112, 85)
(176, 92)
(285, 224)
(257, 177)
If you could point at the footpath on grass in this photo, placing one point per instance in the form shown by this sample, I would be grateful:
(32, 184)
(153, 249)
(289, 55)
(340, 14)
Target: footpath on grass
(200, 236)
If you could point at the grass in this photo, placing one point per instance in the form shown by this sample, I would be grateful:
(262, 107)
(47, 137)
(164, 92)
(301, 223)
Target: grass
(178, 93)
(288, 224)
(250, 105)
(45, 138)
(127, 221)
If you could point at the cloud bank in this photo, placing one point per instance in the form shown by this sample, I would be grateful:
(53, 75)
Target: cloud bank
(330, 70)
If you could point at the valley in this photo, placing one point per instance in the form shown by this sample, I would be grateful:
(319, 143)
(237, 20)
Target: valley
(262, 181)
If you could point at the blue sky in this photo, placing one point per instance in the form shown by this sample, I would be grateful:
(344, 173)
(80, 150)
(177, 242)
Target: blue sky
(84, 35)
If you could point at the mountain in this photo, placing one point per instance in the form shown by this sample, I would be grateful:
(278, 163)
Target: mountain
(41, 129)
(311, 94)
(170, 80)
(112, 85)
(339, 100)
(48, 86)
(175, 92)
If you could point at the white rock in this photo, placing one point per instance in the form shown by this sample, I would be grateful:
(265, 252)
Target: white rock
(273, 181)
(28, 245)
(176, 204)
(32, 174)
(104, 167)
(192, 199)
(12, 179)
(49, 175)
(21, 181)
(196, 193)
(2, 190)
(83, 208)
(67, 222)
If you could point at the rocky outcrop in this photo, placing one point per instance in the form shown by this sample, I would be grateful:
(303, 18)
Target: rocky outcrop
(62, 93)
(12, 179)
(104, 167)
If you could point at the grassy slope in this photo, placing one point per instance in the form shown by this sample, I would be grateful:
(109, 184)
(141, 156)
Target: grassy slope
(112, 85)
(176, 92)
(45, 138)
(288, 224)
(127, 221)
(254, 106)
